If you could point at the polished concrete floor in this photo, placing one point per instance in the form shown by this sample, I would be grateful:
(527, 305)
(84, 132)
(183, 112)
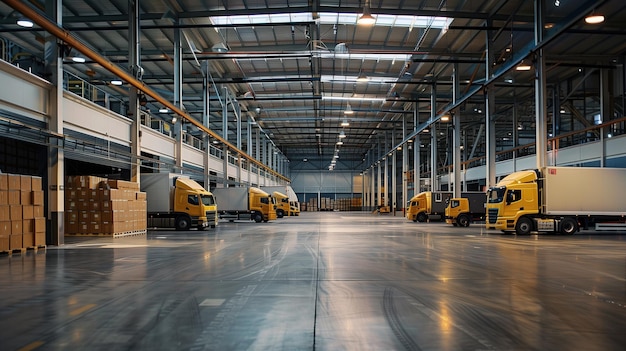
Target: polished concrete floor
(321, 281)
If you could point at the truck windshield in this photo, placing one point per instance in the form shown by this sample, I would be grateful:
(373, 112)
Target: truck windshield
(207, 200)
(496, 195)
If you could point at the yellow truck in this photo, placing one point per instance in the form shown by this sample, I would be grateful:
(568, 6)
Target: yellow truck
(558, 199)
(285, 190)
(294, 207)
(428, 205)
(283, 207)
(245, 203)
(468, 208)
(176, 201)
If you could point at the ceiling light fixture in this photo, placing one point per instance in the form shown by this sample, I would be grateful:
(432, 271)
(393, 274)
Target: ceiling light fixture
(342, 135)
(366, 18)
(523, 67)
(594, 18)
(345, 123)
(116, 82)
(362, 77)
(163, 110)
(348, 110)
(25, 22)
(445, 118)
(340, 142)
(174, 119)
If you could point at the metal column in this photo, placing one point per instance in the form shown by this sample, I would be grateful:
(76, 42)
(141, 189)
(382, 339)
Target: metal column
(541, 104)
(433, 140)
(134, 53)
(456, 136)
(56, 156)
(178, 96)
(490, 128)
(417, 147)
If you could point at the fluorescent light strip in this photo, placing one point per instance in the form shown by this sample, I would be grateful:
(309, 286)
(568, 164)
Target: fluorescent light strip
(359, 99)
(332, 18)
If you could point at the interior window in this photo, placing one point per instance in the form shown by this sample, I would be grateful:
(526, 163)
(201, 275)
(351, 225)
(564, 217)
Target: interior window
(192, 199)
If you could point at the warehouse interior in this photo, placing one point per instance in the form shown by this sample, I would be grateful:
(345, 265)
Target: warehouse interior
(355, 106)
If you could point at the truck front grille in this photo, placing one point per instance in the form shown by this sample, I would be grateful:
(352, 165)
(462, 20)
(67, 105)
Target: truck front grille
(493, 215)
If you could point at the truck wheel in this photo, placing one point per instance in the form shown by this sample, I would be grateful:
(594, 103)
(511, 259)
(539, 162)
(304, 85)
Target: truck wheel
(524, 226)
(422, 217)
(463, 220)
(280, 214)
(258, 218)
(569, 226)
(183, 223)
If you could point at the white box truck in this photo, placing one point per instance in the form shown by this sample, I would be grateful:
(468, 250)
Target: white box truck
(558, 199)
(176, 201)
(245, 203)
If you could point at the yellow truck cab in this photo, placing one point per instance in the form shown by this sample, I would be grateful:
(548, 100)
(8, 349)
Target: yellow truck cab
(513, 197)
(468, 208)
(262, 202)
(175, 200)
(196, 202)
(427, 204)
(294, 208)
(282, 204)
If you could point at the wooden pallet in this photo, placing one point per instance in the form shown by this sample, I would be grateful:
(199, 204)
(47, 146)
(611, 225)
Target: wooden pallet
(13, 251)
(112, 235)
(36, 247)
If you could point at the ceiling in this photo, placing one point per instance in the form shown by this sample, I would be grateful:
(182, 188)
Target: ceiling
(295, 74)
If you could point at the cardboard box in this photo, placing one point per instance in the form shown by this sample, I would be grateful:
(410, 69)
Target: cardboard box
(14, 181)
(26, 198)
(123, 184)
(83, 227)
(4, 181)
(4, 243)
(15, 241)
(83, 216)
(38, 211)
(83, 205)
(28, 239)
(106, 216)
(37, 197)
(71, 205)
(95, 216)
(36, 183)
(40, 239)
(71, 194)
(5, 228)
(27, 212)
(15, 212)
(71, 227)
(140, 196)
(5, 213)
(28, 226)
(26, 183)
(70, 216)
(40, 225)
(95, 228)
(14, 197)
(4, 197)
(16, 229)
(94, 205)
(104, 195)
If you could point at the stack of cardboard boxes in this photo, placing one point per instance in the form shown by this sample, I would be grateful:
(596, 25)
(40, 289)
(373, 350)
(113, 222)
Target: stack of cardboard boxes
(99, 206)
(22, 221)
